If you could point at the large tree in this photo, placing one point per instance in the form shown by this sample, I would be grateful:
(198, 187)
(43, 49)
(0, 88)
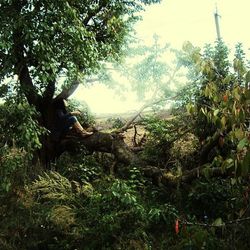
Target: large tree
(42, 39)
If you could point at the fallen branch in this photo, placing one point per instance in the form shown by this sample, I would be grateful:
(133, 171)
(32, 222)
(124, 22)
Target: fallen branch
(168, 178)
(147, 105)
(208, 147)
(128, 124)
(101, 142)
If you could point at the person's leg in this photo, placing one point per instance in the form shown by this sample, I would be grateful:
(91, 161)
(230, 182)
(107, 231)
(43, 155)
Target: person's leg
(73, 122)
(79, 129)
(69, 123)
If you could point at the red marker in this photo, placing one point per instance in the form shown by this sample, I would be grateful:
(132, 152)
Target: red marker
(177, 226)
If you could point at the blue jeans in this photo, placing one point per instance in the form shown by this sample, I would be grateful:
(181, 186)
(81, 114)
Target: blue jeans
(64, 126)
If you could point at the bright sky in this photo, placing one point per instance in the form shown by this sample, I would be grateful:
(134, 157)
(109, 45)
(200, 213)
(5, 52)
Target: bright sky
(176, 21)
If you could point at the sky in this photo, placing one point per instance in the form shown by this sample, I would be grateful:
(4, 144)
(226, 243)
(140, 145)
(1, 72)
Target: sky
(177, 21)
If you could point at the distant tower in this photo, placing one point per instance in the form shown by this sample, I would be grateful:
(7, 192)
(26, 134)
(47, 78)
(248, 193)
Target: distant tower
(216, 18)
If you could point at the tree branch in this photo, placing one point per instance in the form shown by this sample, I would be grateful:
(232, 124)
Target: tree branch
(22, 71)
(101, 142)
(21, 66)
(66, 93)
(128, 124)
(49, 91)
(208, 147)
(102, 4)
(168, 178)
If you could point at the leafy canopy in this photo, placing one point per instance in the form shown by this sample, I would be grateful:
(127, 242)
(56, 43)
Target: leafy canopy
(49, 37)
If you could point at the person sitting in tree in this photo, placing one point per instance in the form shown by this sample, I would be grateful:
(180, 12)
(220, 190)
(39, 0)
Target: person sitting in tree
(64, 120)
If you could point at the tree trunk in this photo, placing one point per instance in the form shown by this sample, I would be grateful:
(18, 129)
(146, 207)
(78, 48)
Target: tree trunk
(102, 142)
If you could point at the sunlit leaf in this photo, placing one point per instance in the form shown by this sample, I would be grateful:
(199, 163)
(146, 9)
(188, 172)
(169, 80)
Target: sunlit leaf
(242, 115)
(218, 222)
(216, 112)
(223, 122)
(228, 163)
(242, 144)
(239, 134)
(236, 94)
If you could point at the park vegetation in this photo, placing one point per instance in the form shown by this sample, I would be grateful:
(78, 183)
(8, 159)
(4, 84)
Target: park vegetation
(182, 184)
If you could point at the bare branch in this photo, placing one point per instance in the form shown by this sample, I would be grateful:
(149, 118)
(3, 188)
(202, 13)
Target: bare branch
(147, 105)
(128, 124)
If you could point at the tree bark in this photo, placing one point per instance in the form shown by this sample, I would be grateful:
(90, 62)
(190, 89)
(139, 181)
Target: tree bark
(169, 179)
(101, 142)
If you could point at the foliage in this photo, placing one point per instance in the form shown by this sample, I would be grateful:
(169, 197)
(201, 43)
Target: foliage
(150, 72)
(78, 203)
(51, 37)
(19, 140)
(71, 215)
(116, 122)
(162, 134)
(14, 168)
(222, 104)
(19, 126)
(82, 168)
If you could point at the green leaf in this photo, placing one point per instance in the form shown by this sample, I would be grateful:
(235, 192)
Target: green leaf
(233, 181)
(218, 222)
(190, 108)
(239, 134)
(247, 77)
(204, 111)
(236, 94)
(216, 112)
(228, 163)
(223, 122)
(242, 115)
(242, 144)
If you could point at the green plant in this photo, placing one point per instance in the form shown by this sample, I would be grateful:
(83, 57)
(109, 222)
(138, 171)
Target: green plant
(82, 168)
(116, 122)
(19, 126)
(13, 168)
(221, 106)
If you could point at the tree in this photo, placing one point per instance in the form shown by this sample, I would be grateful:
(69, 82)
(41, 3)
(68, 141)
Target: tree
(152, 70)
(221, 107)
(41, 39)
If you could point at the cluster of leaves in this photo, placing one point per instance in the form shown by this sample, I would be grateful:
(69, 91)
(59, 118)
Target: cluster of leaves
(19, 125)
(14, 167)
(116, 122)
(71, 215)
(20, 136)
(222, 104)
(52, 37)
(82, 168)
(162, 135)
